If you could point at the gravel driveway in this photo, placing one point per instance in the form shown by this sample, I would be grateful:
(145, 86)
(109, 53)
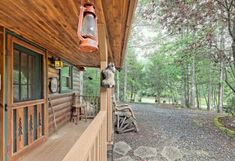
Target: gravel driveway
(174, 134)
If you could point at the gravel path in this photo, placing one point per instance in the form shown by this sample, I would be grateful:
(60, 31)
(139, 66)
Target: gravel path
(191, 132)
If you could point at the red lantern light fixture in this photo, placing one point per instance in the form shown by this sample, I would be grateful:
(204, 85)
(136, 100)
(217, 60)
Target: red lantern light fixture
(87, 28)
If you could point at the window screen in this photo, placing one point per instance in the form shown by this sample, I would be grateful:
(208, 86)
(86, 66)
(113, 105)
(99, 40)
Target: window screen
(27, 74)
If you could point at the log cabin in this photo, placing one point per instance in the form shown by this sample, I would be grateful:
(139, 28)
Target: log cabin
(35, 94)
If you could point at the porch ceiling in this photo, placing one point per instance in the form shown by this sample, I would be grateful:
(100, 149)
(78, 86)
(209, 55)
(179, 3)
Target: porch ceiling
(53, 25)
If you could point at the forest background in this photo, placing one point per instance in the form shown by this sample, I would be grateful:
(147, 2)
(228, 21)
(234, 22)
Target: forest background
(179, 52)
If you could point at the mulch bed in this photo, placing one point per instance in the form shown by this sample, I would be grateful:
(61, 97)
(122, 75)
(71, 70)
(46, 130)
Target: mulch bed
(228, 122)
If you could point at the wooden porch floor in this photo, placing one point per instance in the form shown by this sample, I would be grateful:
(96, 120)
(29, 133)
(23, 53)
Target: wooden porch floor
(58, 144)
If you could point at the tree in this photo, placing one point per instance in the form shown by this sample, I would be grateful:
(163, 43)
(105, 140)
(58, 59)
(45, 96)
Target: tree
(91, 83)
(132, 75)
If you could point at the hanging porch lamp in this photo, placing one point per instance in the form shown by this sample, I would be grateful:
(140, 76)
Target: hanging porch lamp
(87, 28)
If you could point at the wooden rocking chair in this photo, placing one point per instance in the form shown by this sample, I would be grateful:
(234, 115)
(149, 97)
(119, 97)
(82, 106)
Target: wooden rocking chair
(125, 118)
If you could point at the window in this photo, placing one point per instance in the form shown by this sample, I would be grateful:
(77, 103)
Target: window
(66, 78)
(27, 74)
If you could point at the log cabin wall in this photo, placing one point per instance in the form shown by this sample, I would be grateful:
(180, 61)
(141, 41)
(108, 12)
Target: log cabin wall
(59, 109)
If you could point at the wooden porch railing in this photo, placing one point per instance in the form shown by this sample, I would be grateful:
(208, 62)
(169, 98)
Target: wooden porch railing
(92, 145)
(94, 101)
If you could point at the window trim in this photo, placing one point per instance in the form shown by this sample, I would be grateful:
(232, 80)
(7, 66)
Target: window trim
(68, 89)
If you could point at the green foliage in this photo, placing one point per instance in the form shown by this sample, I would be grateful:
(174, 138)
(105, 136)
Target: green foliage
(91, 83)
(163, 76)
(135, 77)
(230, 108)
(169, 41)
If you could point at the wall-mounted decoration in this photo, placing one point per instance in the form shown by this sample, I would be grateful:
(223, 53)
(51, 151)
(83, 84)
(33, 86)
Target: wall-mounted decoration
(108, 76)
(58, 64)
(54, 85)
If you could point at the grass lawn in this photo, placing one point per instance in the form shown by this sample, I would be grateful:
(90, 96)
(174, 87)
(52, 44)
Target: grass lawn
(152, 100)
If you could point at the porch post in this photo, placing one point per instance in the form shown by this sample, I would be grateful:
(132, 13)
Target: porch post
(2, 69)
(110, 116)
(103, 64)
(105, 93)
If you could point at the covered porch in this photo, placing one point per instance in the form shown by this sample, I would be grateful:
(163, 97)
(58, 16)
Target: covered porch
(44, 31)
(58, 144)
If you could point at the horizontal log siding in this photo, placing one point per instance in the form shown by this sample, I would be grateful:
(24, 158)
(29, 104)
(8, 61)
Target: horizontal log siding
(61, 102)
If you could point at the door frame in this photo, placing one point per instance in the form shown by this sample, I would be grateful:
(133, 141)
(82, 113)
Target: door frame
(10, 49)
(2, 90)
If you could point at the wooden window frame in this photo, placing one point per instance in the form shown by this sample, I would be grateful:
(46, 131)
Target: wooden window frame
(28, 52)
(66, 89)
(10, 41)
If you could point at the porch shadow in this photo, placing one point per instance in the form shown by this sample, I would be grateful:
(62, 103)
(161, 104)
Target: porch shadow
(58, 144)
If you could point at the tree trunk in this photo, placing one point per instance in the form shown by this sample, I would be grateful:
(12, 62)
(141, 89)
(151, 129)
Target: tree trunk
(193, 84)
(187, 87)
(197, 96)
(125, 83)
(215, 94)
(132, 92)
(221, 87)
(232, 34)
(209, 89)
(222, 63)
(183, 87)
(206, 100)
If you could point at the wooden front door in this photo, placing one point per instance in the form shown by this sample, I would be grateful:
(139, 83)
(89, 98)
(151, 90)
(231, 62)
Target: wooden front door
(26, 97)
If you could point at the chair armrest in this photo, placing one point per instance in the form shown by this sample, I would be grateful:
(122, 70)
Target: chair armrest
(122, 105)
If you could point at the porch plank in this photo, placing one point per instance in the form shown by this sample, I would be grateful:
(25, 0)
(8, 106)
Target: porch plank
(58, 144)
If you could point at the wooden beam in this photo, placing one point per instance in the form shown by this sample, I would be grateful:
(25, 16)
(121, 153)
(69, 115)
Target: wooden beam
(2, 68)
(105, 93)
(99, 11)
(9, 67)
(110, 57)
(103, 63)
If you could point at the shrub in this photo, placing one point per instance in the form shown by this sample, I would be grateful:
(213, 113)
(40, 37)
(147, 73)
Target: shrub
(230, 108)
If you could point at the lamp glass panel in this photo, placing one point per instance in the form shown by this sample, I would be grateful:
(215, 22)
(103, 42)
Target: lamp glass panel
(88, 26)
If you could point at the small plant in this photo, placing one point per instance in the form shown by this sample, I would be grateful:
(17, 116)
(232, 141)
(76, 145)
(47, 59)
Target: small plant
(230, 108)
